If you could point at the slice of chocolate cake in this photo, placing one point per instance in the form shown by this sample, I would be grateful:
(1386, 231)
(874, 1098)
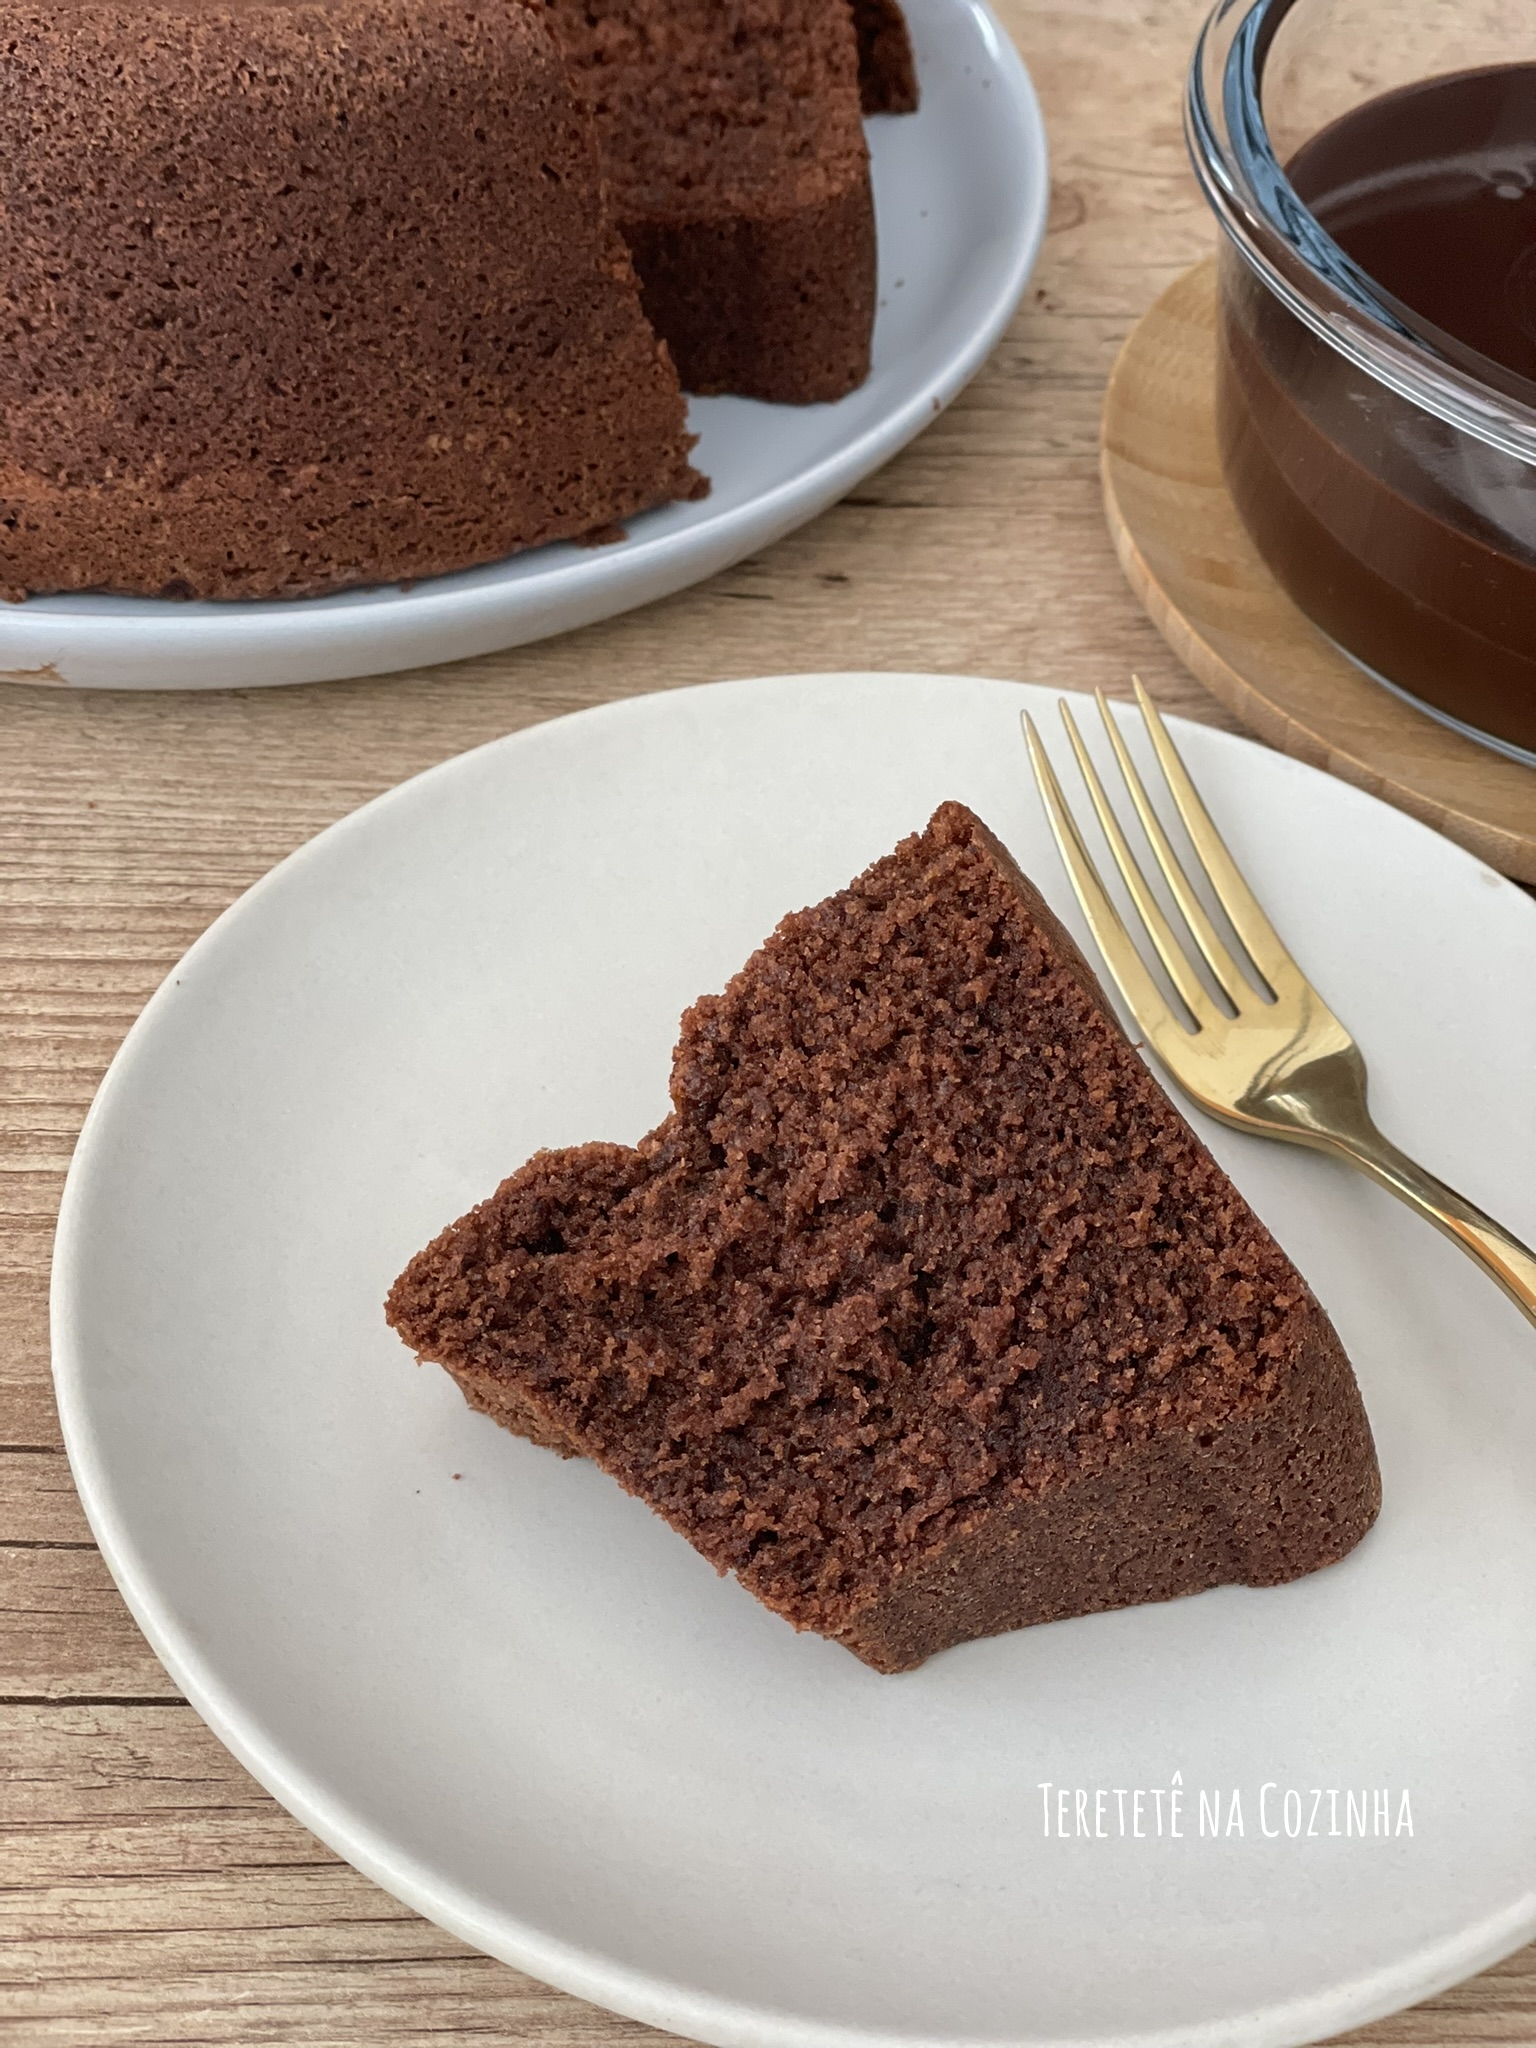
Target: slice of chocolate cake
(924, 1312)
(739, 176)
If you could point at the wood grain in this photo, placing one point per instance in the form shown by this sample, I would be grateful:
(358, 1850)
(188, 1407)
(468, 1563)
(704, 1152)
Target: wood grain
(152, 1894)
(1187, 555)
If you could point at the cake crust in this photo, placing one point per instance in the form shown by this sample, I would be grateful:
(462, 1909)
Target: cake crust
(924, 1312)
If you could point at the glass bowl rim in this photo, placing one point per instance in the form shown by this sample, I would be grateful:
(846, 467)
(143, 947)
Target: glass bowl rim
(1286, 246)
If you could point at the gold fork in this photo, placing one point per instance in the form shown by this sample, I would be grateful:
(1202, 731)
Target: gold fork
(1281, 1064)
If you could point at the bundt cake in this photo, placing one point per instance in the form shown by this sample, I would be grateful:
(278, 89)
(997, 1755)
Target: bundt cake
(301, 294)
(924, 1312)
(296, 294)
(731, 136)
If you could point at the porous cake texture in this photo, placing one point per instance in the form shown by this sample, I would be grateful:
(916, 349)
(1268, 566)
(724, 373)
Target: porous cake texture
(296, 294)
(738, 172)
(924, 1312)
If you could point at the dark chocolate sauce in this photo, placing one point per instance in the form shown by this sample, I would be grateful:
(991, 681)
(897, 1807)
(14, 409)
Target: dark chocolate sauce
(1432, 190)
(1410, 543)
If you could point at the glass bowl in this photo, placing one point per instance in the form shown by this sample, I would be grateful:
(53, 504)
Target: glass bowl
(1385, 468)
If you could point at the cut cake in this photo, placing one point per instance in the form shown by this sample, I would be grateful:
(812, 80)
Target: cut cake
(738, 174)
(304, 294)
(924, 1312)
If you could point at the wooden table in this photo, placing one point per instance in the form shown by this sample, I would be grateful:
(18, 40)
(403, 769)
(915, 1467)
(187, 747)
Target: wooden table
(152, 1892)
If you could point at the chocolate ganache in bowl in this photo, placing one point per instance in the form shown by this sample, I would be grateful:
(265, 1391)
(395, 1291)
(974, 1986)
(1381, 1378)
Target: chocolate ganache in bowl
(1374, 167)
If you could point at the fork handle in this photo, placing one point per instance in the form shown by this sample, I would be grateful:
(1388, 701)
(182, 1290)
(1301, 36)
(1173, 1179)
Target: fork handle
(1505, 1258)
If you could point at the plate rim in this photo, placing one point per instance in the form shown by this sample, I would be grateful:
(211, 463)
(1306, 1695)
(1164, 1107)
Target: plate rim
(584, 1973)
(399, 631)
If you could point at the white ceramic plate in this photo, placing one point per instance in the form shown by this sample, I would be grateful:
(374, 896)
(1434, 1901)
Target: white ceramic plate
(521, 1703)
(961, 191)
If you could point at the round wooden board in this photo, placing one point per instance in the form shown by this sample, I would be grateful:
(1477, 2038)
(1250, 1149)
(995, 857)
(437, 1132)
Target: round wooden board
(1188, 557)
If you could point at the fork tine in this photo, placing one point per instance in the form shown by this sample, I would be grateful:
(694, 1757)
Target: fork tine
(1142, 995)
(1229, 975)
(1263, 942)
(1161, 933)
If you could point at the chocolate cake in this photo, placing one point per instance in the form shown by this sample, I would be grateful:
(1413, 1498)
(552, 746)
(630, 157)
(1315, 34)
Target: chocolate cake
(739, 176)
(887, 70)
(924, 1312)
(296, 294)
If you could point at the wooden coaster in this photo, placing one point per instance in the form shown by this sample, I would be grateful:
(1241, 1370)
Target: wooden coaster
(1188, 558)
